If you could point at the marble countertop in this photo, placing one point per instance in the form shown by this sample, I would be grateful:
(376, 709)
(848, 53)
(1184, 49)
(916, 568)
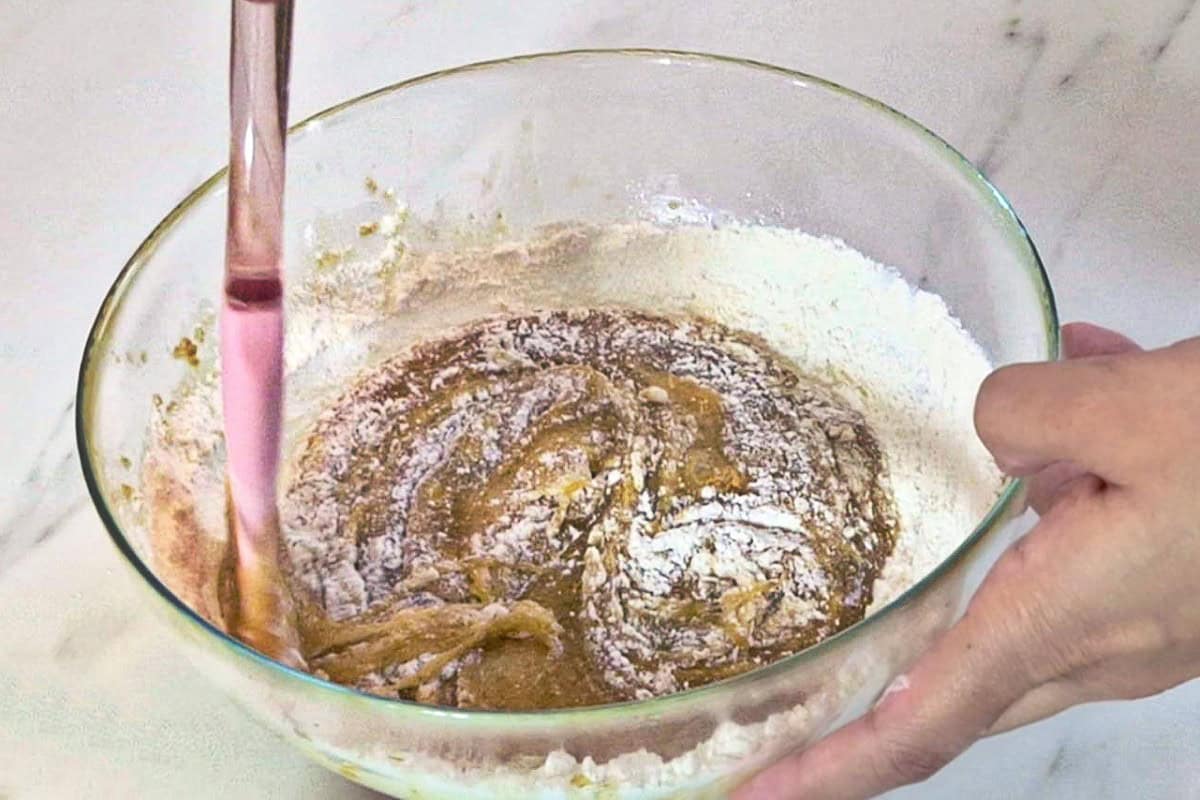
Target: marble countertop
(1086, 113)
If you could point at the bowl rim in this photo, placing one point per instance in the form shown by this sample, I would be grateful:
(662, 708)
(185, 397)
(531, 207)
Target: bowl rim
(101, 327)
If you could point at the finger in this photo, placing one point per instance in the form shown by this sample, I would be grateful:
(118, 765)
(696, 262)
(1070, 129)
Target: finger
(1083, 339)
(1058, 687)
(1100, 681)
(1085, 411)
(951, 697)
(1041, 703)
(1008, 643)
(1080, 340)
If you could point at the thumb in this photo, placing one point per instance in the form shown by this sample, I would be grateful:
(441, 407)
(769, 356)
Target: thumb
(986, 673)
(950, 698)
(961, 689)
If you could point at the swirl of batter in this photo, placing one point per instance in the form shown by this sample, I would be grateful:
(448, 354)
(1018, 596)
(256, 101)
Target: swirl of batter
(573, 508)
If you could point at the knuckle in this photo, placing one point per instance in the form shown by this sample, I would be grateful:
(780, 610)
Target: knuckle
(1021, 621)
(903, 760)
(901, 755)
(1096, 399)
(1185, 352)
(1177, 632)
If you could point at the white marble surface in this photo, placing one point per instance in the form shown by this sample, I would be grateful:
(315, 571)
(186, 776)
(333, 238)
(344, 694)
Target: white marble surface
(1087, 114)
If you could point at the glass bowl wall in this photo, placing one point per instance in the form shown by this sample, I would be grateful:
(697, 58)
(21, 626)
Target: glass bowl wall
(595, 137)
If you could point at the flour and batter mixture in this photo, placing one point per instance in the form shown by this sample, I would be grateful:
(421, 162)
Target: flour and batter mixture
(720, 446)
(575, 508)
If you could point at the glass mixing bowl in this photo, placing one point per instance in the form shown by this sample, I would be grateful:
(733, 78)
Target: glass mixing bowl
(597, 137)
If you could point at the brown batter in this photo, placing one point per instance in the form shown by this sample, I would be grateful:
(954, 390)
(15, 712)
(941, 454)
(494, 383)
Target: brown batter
(577, 508)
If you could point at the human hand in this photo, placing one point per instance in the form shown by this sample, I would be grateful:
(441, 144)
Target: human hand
(1097, 602)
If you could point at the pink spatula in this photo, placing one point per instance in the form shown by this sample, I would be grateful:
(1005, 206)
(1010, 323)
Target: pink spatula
(252, 321)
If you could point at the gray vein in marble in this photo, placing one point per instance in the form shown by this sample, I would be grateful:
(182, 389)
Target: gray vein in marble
(51, 527)
(82, 642)
(989, 161)
(386, 26)
(1070, 220)
(61, 423)
(1058, 761)
(1160, 47)
(39, 520)
(48, 495)
(1093, 51)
